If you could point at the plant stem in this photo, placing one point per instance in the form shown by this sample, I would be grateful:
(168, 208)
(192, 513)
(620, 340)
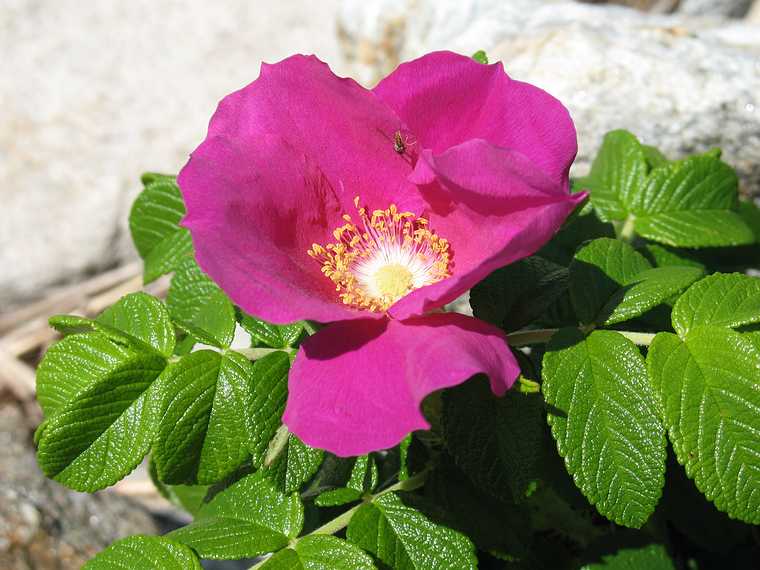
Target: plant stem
(256, 353)
(626, 232)
(341, 521)
(540, 336)
(277, 445)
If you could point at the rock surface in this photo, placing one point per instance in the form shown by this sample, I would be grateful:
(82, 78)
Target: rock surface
(44, 526)
(723, 8)
(95, 93)
(682, 84)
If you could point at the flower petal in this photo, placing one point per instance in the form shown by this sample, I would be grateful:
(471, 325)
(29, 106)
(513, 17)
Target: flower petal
(445, 99)
(357, 386)
(283, 159)
(493, 205)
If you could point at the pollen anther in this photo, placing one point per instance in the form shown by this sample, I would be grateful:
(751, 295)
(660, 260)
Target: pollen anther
(382, 258)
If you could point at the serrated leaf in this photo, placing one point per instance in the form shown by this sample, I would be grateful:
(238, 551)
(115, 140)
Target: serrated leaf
(203, 435)
(575, 232)
(270, 391)
(651, 557)
(154, 224)
(200, 307)
(405, 539)
(724, 300)
(145, 553)
(186, 497)
(296, 465)
(104, 431)
(320, 552)
(695, 228)
(514, 296)
(337, 497)
(75, 363)
(654, 156)
(618, 171)
(688, 203)
(598, 271)
(709, 387)
(665, 256)
(362, 479)
(138, 320)
(605, 421)
(647, 290)
(274, 336)
(497, 442)
(249, 518)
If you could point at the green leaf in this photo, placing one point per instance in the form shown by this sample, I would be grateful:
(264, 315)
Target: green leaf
(296, 465)
(688, 203)
(514, 296)
(604, 417)
(337, 497)
(363, 479)
(575, 232)
(270, 391)
(617, 173)
(320, 552)
(103, 432)
(724, 300)
(145, 553)
(274, 336)
(497, 442)
(695, 228)
(598, 271)
(249, 518)
(480, 56)
(200, 307)
(75, 363)
(709, 387)
(651, 557)
(143, 317)
(647, 290)
(653, 156)
(203, 435)
(664, 256)
(405, 539)
(154, 223)
(186, 497)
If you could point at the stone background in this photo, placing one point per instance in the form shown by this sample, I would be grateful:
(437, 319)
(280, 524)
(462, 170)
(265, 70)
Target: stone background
(94, 93)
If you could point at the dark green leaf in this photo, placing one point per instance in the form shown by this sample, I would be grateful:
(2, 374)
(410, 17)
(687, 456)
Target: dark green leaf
(186, 497)
(295, 465)
(247, 519)
(200, 307)
(270, 391)
(405, 539)
(598, 271)
(708, 386)
(336, 497)
(320, 552)
(497, 442)
(617, 173)
(604, 417)
(664, 256)
(143, 317)
(105, 429)
(145, 553)
(204, 435)
(514, 296)
(652, 557)
(154, 223)
(274, 336)
(724, 300)
(363, 479)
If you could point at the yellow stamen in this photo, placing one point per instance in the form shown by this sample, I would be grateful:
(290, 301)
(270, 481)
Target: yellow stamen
(391, 254)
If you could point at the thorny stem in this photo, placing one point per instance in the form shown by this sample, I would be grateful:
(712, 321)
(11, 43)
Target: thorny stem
(341, 521)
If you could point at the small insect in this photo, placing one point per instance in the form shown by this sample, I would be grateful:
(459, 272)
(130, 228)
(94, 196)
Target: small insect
(400, 142)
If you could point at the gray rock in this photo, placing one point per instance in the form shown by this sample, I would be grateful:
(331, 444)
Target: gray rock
(721, 8)
(95, 93)
(44, 526)
(682, 84)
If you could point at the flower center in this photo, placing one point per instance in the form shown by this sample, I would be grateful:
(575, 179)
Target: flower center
(386, 256)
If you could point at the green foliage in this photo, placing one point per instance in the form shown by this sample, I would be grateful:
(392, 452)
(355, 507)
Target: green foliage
(604, 417)
(146, 553)
(480, 56)
(320, 552)
(154, 223)
(488, 489)
(203, 434)
(198, 306)
(405, 539)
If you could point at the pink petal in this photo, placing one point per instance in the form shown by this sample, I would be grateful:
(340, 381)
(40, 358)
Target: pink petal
(283, 160)
(493, 205)
(445, 99)
(357, 386)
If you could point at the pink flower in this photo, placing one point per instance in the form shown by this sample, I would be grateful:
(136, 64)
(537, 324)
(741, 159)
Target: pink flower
(314, 198)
